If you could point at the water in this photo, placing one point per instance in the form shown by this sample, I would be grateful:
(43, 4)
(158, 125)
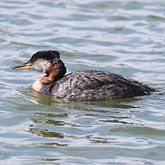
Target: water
(125, 37)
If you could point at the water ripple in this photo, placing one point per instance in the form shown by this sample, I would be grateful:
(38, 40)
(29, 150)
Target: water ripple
(125, 37)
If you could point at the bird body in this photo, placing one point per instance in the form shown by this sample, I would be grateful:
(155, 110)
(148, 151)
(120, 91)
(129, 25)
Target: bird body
(89, 85)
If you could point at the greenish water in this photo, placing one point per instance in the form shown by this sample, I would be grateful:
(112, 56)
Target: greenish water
(125, 37)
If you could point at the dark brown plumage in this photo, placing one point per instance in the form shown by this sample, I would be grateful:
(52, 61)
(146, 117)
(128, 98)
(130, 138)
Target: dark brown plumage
(90, 85)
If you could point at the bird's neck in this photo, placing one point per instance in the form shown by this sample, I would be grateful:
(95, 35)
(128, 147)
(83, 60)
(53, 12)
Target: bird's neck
(54, 72)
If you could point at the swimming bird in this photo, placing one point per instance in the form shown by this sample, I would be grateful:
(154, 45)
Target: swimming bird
(89, 85)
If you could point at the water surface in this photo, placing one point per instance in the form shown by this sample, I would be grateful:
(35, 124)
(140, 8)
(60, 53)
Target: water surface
(125, 37)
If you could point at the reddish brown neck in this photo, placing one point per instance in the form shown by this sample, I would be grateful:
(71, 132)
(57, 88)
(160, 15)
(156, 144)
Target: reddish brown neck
(54, 72)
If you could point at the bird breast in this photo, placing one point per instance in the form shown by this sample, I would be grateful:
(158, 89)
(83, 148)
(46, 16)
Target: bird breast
(39, 87)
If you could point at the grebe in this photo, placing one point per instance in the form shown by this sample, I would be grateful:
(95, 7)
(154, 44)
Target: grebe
(89, 85)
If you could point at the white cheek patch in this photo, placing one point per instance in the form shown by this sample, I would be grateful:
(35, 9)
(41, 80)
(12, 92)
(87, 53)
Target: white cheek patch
(43, 65)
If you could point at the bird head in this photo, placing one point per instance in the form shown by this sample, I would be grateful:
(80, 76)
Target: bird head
(40, 61)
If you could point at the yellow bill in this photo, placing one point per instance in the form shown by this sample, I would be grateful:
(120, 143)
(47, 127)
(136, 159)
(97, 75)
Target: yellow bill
(23, 67)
